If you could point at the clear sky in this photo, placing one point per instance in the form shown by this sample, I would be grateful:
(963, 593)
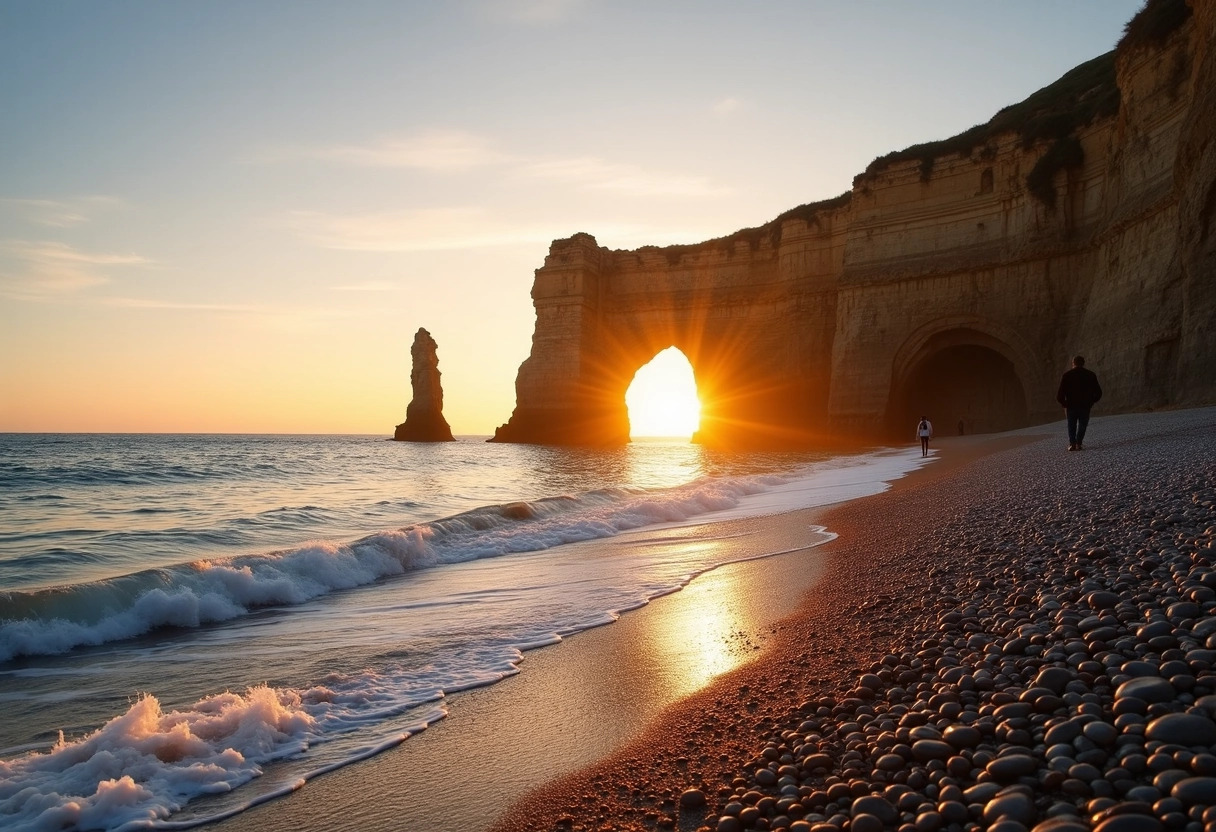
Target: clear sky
(232, 216)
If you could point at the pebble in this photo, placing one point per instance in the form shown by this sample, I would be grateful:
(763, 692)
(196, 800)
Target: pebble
(1182, 729)
(1060, 676)
(1195, 791)
(1147, 688)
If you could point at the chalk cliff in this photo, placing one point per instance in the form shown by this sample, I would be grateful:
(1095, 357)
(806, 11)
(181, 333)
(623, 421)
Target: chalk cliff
(424, 420)
(955, 278)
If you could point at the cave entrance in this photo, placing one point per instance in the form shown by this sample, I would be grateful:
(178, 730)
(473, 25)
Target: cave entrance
(966, 383)
(662, 398)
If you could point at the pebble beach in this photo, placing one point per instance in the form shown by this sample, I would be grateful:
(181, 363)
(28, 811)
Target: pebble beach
(1016, 638)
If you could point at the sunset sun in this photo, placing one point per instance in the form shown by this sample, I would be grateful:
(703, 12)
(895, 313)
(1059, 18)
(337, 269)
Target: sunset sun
(662, 399)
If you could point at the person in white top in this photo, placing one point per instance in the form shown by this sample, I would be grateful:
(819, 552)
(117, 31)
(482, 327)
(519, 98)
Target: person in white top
(924, 430)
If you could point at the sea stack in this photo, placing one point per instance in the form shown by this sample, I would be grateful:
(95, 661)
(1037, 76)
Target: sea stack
(424, 420)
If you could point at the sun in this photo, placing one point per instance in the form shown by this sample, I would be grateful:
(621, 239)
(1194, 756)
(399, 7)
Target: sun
(662, 399)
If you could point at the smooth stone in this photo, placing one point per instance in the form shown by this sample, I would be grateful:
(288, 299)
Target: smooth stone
(1195, 790)
(1016, 805)
(814, 761)
(962, 736)
(1008, 825)
(1182, 729)
(924, 750)
(953, 811)
(1102, 600)
(1054, 679)
(1184, 609)
(1012, 766)
(1138, 668)
(1100, 733)
(1014, 710)
(1127, 807)
(1065, 732)
(865, 823)
(890, 762)
(1146, 794)
(876, 807)
(1148, 688)
(692, 799)
(1130, 823)
(1155, 629)
(981, 792)
(1062, 824)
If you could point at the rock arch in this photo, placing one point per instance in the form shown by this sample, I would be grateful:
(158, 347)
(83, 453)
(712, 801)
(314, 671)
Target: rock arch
(601, 315)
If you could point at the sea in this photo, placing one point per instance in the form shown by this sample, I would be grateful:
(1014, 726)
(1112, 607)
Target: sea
(191, 625)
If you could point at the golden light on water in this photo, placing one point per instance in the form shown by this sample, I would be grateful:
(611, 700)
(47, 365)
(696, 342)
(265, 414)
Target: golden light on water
(662, 399)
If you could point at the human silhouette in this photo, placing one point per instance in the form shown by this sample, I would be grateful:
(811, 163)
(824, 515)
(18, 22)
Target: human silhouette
(1079, 392)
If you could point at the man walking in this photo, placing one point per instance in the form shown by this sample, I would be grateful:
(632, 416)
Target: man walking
(1079, 391)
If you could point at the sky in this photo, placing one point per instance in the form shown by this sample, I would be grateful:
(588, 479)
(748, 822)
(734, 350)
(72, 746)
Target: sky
(233, 216)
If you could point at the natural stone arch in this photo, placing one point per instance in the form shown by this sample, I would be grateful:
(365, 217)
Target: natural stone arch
(962, 369)
(600, 315)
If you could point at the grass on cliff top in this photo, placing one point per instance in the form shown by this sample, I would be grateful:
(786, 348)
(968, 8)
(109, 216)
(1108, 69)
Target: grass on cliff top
(1053, 114)
(1153, 24)
(1080, 97)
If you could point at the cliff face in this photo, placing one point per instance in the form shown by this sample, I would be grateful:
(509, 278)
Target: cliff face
(955, 279)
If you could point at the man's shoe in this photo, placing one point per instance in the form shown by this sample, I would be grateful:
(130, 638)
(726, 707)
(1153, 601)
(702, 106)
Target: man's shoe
(1072, 447)
(1080, 446)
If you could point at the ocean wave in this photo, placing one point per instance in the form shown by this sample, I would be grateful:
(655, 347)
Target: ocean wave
(145, 765)
(57, 620)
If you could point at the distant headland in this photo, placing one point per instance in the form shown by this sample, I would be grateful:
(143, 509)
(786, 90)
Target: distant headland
(955, 278)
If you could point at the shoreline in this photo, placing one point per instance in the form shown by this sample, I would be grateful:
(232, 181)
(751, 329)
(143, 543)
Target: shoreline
(574, 702)
(627, 746)
(943, 598)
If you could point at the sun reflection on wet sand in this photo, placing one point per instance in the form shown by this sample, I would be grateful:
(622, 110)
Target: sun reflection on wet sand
(705, 635)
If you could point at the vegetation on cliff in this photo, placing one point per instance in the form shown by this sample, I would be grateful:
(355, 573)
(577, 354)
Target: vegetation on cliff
(1054, 113)
(1080, 97)
(1153, 24)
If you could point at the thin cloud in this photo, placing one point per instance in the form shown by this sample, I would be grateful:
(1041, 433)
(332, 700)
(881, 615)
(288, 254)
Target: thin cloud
(596, 174)
(60, 213)
(46, 270)
(435, 229)
(436, 150)
(455, 151)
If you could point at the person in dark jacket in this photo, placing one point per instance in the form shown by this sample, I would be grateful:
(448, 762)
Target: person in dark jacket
(1079, 392)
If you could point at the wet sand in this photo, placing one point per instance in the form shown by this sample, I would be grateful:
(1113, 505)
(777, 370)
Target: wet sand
(638, 705)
